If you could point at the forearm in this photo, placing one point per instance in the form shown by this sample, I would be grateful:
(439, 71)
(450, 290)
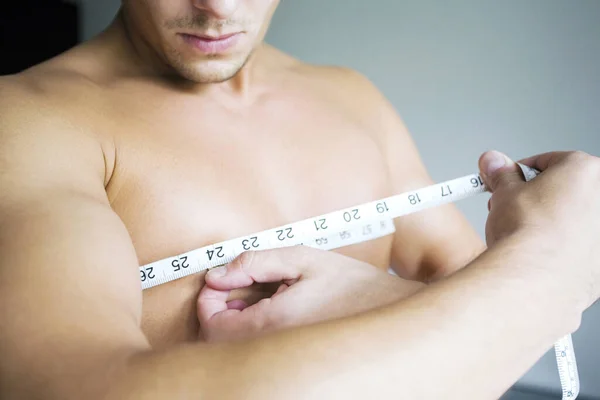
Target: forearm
(492, 320)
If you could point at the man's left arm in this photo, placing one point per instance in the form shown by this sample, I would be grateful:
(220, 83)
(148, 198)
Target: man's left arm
(432, 243)
(429, 244)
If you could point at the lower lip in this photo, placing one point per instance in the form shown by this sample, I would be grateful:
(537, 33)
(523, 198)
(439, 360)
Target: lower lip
(212, 46)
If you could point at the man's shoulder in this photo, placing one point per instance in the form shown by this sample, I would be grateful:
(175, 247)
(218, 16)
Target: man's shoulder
(46, 94)
(349, 91)
(345, 86)
(339, 80)
(336, 80)
(42, 108)
(46, 82)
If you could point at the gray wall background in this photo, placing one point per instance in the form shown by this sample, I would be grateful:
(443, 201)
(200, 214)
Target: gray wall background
(520, 76)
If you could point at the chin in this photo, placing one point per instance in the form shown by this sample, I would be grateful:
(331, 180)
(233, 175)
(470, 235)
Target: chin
(208, 71)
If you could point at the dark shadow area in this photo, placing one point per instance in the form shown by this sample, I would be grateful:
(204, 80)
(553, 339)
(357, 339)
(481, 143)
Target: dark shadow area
(32, 31)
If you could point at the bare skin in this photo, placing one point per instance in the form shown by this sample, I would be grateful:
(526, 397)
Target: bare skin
(184, 167)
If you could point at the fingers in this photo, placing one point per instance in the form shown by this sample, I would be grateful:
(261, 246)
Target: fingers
(231, 325)
(211, 302)
(498, 170)
(235, 318)
(236, 305)
(545, 160)
(281, 289)
(213, 308)
(279, 265)
(222, 320)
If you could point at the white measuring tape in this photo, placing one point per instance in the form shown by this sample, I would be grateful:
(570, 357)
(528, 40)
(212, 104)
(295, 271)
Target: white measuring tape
(342, 228)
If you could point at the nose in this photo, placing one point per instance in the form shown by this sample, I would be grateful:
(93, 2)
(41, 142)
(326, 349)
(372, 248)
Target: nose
(221, 9)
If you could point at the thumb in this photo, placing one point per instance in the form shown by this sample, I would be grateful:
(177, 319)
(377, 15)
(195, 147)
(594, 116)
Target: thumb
(498, 170)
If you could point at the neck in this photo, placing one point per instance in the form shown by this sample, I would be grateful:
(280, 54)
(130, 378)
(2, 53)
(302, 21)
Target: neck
(143, 60)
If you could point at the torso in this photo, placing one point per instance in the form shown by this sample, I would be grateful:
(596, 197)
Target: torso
(185, 172)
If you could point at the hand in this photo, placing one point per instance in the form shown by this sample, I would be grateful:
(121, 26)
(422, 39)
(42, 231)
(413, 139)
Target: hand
(561, 206)
(315, 285)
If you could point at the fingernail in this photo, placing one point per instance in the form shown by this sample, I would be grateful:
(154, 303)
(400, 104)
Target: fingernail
(218, 272)
(494, 161)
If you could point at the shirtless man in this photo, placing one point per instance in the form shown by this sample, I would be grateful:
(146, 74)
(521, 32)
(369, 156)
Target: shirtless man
(164, 134)
(179, 127)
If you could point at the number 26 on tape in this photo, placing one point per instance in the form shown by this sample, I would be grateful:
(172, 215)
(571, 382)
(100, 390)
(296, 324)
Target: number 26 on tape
(147, 273)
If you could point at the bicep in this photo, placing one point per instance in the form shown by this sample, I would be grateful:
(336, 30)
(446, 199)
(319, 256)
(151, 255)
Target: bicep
(70, 294)
(431, 243)
(69, 299)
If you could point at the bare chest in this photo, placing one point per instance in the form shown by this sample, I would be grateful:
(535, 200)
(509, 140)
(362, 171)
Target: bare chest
(190, 178)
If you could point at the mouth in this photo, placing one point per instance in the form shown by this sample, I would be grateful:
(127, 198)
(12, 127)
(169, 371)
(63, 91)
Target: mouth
(212, 44)
(214, 37)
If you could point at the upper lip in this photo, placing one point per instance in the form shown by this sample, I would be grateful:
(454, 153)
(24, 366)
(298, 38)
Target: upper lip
(212, 37)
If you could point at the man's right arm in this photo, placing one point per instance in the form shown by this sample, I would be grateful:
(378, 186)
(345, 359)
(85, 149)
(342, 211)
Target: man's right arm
(70, 297)
(70, 306)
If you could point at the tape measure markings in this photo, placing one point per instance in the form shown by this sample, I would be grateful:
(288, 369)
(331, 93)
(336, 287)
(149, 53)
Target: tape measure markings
(309, 231)
(567, 367)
